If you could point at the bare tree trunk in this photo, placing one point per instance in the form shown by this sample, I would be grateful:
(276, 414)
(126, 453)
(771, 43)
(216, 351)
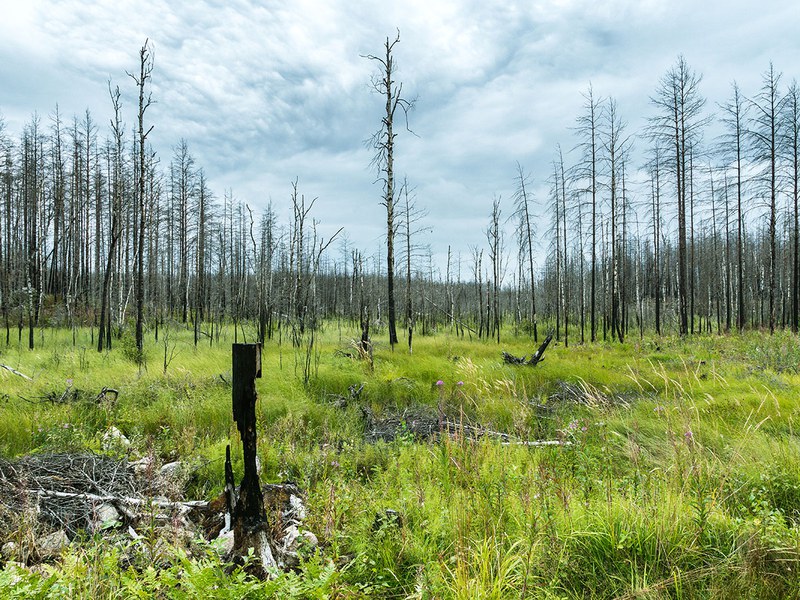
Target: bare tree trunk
(145, 72)
(116, 200)
(383, 143)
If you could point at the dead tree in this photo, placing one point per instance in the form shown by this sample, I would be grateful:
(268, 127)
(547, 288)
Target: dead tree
(383, 144)
(145, 100)
(104, 333)
(250, 528)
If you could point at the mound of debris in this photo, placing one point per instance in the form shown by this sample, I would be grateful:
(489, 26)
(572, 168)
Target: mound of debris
(582, 392)
(421, 422)
(61, 488)
(48, 500)
(425, 423)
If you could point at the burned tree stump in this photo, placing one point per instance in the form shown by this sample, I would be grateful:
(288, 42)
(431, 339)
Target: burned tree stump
(250, 527)
(538, 356)
(535, 358)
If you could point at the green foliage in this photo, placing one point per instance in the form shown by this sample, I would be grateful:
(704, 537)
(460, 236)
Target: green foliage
(677, 475)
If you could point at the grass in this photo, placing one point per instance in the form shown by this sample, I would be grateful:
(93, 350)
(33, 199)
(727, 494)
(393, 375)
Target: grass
(681, 478)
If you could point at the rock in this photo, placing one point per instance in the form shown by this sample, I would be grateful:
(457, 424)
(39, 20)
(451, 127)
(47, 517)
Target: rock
(298, 539)
(311, 540)
(295, 542)
(173, 477)
(172, 470)
(143, 467)
(52, 544)
(114, 439)
(105, 517)
(223, 544)
(8, 550)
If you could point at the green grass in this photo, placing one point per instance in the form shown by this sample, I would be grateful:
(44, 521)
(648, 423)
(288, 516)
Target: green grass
(681, 478)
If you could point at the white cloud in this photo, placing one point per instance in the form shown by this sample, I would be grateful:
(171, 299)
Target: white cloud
(267, 91)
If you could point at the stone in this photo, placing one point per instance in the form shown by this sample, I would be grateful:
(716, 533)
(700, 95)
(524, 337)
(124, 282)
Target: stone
(295, 542)
(105, 517)
(143, 467)
(172, 470)
(311, 540)
(223, 544)
(52, 544)
(8, 550)
(114, 439)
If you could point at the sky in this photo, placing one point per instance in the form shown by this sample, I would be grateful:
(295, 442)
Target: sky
(266, 92)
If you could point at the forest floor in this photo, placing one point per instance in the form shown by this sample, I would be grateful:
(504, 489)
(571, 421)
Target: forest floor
(658, 468)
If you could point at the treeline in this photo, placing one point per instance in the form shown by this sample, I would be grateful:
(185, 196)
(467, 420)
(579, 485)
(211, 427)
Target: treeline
(700, 235)
(667, 229)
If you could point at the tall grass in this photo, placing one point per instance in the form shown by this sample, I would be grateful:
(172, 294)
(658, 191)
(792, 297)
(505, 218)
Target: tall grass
(678, 476)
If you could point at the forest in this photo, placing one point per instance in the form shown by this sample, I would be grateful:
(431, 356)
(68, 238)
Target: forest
(652, 455)
(665, 230)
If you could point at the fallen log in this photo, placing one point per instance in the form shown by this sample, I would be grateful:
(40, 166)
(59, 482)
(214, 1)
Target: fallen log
(538, 443)
(182, 507)
(15, 372)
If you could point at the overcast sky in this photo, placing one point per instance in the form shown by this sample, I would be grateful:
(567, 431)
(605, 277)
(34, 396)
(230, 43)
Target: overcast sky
(265, 91)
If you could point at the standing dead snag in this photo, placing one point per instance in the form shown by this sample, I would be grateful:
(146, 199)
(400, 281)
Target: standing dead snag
(383, 142)
(250, 528)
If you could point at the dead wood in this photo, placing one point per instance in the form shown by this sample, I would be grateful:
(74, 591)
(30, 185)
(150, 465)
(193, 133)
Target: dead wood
(249, 519)
(76, 475)
(128, 502)
(424, 423)
(535, 358)
(15, 372)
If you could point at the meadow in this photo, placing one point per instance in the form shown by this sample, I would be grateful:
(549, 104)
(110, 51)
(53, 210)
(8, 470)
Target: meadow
(675, 472)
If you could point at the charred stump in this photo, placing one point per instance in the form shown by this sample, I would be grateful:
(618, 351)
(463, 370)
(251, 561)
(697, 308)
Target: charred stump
(250, 526)
(535, 358)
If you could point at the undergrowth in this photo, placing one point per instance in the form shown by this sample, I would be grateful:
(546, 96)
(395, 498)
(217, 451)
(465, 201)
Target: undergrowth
(676, 473)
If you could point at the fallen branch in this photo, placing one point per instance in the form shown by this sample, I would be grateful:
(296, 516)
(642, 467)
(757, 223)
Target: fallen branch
(182, 507)
(455, 319)
(538, 443)
(15, 372)
(538, 356)
(106, 390)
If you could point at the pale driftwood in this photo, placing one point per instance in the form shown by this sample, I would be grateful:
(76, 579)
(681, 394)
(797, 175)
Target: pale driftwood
(15, 372)
(185, 506)
(538, 443)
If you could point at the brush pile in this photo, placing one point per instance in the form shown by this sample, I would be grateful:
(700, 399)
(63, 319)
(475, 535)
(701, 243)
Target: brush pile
(48, 500)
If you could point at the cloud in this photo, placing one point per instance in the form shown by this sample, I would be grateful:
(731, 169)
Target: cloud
(268, 91)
